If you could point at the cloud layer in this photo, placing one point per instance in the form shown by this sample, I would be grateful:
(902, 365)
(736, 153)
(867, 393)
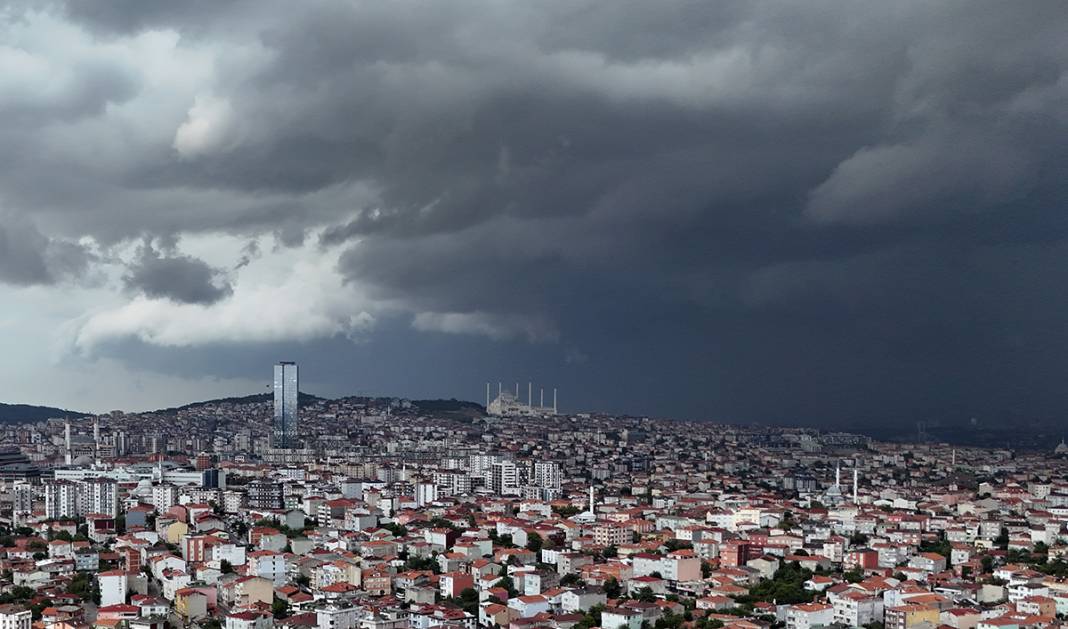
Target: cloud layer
(700, 198)
(175, 277)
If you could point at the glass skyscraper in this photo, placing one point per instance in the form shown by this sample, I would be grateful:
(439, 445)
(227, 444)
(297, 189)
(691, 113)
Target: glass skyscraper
(284, 427)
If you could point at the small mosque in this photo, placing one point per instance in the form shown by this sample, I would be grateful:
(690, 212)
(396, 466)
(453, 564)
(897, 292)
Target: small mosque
(1061, 449)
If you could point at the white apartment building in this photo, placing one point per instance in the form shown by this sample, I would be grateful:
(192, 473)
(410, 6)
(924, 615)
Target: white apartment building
(15, 617)
(857, 609)
(101, 496)
(504, 478)
(269, 565)
(61, 500)
(809, 615)
(336, 617)
(547, 474)
(113, 586)
(164, 497)
(425, 493)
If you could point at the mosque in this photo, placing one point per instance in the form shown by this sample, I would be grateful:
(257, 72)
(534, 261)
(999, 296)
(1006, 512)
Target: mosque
(507, 404)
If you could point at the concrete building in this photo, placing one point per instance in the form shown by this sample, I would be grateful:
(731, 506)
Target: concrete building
(504, 478)
(61, 500)
(809, 615)
(262, 494)
(15, 617)
(101, 496)
(113, 587)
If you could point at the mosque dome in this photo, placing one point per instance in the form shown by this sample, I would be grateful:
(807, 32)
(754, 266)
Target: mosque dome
(83, 460)
(1062, 448)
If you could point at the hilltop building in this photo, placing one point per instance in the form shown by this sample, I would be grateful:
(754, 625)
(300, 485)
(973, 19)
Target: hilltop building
(508, 404)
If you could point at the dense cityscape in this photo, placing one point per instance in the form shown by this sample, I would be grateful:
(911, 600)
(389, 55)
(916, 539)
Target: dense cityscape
(288, 510)
(553, 314)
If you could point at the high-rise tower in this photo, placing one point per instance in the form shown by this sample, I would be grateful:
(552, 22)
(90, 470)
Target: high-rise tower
(284, 427)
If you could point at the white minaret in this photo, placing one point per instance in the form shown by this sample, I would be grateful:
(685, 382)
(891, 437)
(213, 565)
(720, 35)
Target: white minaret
(856, 486)
(530, 394)
(554, 400)
(96, 440)
(953, 462)
(541, 404)
(66, 442)
(838, 476)
(592, 512)
(487, 395)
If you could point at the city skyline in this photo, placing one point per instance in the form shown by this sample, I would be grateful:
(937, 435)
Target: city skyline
(396, 515)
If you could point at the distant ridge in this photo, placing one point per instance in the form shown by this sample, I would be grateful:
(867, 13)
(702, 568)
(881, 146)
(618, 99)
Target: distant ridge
(245, 399)
(446, 407)
(453, 406)
(21, 413)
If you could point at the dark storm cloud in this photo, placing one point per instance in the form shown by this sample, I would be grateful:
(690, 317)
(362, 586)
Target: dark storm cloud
(27, 257)
(180, 278)
(690, 186)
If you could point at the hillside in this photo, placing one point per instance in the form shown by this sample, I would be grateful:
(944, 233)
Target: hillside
(453, 408)
(21, 413)
(255, 398)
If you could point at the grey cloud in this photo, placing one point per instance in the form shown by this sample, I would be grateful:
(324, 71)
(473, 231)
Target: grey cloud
(249, 252)
(291, 235)
(936, 175)
(180, 278)
(622, 176)
(585, 99)
(29, 257)
(126, 16)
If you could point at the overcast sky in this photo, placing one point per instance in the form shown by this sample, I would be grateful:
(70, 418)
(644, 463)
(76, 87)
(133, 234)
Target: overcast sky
(808, 212)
